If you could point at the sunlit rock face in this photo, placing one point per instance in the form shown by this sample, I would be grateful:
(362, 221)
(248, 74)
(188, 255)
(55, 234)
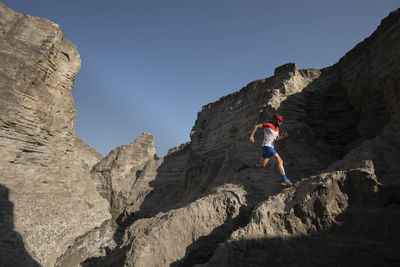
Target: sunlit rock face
(45, 167)
(66, 206)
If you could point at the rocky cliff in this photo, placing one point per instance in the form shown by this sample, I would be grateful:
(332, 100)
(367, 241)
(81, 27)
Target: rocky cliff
(192, 207)
(48, 199)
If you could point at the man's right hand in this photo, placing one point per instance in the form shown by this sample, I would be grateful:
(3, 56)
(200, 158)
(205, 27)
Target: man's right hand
(251, 139)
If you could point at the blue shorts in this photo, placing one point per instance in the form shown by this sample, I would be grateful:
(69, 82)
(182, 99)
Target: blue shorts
(268, 152)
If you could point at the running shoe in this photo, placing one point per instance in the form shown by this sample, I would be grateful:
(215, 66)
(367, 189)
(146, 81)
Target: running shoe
(286, 182)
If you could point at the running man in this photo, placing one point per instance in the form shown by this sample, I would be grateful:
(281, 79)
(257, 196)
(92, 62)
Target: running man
(271, 134)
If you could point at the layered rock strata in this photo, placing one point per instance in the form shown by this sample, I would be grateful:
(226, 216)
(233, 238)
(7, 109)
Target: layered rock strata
(45, 166)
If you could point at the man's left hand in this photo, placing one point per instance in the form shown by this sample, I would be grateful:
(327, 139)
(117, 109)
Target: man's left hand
(283, 135)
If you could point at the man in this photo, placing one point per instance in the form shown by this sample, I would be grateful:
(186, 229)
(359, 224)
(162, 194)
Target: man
(271, 134)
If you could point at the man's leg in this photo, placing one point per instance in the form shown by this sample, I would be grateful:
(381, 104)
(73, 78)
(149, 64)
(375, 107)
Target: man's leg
(263, 162)
(279, 162)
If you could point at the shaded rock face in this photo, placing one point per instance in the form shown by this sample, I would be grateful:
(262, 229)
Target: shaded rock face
(160, 186)
(370, 75)
(45, 167)
(192, 207)
(117, 173)
(137, 183)
(12, 249)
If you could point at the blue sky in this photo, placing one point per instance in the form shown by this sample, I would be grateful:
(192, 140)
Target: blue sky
(150, 66)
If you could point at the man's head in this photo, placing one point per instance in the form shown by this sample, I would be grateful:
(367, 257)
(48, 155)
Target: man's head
(277, 120)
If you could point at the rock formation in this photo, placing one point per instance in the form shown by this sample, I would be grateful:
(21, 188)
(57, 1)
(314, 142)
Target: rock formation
(45, 167)
(117, 173)
(192, 207)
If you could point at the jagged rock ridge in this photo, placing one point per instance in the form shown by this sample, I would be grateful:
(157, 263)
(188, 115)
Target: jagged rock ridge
(192, 207)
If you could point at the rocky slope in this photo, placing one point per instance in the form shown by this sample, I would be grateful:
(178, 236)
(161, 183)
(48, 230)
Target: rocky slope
(343, 218)
(192, 207)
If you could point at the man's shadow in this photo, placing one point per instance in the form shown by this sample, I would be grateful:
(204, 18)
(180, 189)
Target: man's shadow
(12, 248)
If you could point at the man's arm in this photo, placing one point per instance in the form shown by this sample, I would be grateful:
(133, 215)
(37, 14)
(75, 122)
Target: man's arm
(256, 127)
(282, 136)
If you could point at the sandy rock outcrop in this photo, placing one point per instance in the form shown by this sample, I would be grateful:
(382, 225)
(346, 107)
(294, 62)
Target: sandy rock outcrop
(45, 167)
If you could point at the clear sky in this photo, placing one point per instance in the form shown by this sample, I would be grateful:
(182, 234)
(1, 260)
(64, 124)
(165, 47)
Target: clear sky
(150, 65)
